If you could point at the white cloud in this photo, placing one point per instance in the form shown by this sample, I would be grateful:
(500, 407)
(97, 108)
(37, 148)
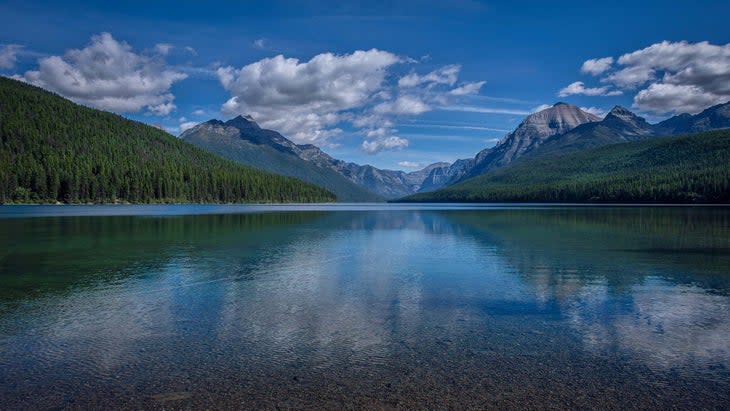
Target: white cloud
(679, 98)
(199, 112)
(674, 77)
(406, 104)
(468, 88)
(303, 99)
(387, 143)
(596, 66)
(409, 164)
(259, 43)
(685, 77)
(191, 50)
(309, 100)
(108, 75)
(630, 77)
(596, 111)
(163, 48)
(187, 125)
(579, 88)
(9, 55)
(444, 75)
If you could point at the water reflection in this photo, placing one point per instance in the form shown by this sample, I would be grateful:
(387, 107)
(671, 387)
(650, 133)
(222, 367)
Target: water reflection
(381, 308)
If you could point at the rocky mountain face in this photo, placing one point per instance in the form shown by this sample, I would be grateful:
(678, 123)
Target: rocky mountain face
(564, 128)
(619, 126)
(528, 136)
(534, 130)
(441, 176)
(241, 139)
(715, 117)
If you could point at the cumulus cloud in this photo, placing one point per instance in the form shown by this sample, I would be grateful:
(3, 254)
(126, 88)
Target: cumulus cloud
(386, 143)
(9, 55)
(579, 87)
(690, 76)
(108, 75)
(309, 100)
(409, 164)
(676, 98)
(302, 99)
(596, 66)
(670, 77)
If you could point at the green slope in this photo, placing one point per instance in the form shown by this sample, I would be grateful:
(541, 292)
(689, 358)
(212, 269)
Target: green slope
(276, 161)
(54, 150)
(685, 169)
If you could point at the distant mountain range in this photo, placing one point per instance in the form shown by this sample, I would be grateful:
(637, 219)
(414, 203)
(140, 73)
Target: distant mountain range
(537, 162)
(241, 139)
(563, 128)
(691, 168)
(559, 129)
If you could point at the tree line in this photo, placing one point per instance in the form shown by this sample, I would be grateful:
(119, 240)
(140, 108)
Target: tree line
(684, 169)
(53, 150)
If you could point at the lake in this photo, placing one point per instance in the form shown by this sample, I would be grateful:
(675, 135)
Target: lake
(377, 306)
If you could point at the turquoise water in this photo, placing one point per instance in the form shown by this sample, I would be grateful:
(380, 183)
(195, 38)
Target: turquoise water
(383, 306)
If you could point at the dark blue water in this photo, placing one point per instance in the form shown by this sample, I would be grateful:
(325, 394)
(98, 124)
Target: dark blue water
(364, 306)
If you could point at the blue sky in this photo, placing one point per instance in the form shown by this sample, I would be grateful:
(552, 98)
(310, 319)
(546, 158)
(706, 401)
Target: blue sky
(393, 84)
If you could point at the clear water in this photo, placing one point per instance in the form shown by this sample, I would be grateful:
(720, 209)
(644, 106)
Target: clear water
(372, 306)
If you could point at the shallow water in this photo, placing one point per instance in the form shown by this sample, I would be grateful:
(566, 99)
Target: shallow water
(364, 306)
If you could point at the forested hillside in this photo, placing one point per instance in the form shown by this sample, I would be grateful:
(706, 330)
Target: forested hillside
(54, 150)
(243, 141)
(685, 169)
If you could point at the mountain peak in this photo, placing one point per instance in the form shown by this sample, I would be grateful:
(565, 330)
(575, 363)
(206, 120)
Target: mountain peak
(621, 111)
(626, 116)
(242, 122)
(531, 133)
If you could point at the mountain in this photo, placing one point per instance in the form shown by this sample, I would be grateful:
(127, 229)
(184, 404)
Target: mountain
(388, 183)
(618, 126)
(564, 128)
(441, 176)
(52, 149)
(712, 118)
(681, 169)
(242, 140)
(528, 136)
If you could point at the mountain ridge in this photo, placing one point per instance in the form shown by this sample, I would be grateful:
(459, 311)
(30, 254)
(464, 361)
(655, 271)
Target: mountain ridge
(619, 125)
(560, 128)
(676, 169)
(235, 139)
